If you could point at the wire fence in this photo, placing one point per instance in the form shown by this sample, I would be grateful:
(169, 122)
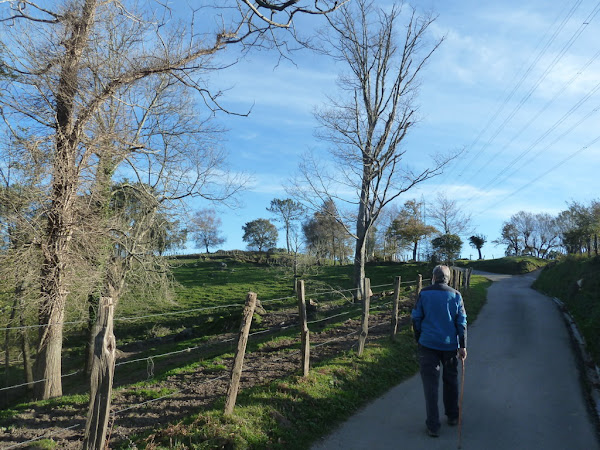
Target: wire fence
(353, 310)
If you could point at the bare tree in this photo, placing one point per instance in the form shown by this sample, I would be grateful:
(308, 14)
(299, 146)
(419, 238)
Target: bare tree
(61, 58)
(448, 218)
(205, 227)
(367, 127)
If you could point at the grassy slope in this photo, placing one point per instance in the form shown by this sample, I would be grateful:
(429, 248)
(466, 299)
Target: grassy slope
(512, 265)
(560, 280)
(267, 416)
(293, 412)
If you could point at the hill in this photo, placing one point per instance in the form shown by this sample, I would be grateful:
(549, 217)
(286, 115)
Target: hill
(576, 282)
(510, 265)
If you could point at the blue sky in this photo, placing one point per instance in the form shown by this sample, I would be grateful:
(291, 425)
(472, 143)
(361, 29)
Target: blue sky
(514, 85)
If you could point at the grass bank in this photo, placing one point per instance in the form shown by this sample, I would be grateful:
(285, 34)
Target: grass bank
(292, 413)
(576, 282)
(510, 265)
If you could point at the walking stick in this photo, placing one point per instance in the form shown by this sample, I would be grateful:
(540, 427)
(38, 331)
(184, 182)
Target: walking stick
(462, 390)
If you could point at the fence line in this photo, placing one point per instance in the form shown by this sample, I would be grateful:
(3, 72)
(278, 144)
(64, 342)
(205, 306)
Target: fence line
(114, 413)
(189, 349)
(20, 444)
(133, 318)
(39, 381)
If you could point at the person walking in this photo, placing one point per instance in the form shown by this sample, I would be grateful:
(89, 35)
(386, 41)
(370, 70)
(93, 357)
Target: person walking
(440, 327)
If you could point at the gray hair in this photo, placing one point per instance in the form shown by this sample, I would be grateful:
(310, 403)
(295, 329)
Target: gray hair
(441, 274)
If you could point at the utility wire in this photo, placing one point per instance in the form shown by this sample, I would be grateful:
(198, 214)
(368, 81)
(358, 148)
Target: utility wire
(526, 97)
(535, 61)
(556, 166)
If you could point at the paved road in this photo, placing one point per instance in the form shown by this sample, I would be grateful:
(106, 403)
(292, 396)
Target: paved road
(522, 387)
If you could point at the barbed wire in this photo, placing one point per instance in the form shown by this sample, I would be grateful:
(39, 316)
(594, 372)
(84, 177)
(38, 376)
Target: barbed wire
(39, 381)
(170, 313)
(113, 414)
(44, 436)
(189, 349)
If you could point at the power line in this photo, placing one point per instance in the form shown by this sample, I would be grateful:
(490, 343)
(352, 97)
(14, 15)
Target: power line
(526, 97)
(535, 61)
(556, 166)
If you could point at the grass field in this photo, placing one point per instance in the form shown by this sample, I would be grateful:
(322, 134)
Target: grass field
(293, 412)
(287, 413)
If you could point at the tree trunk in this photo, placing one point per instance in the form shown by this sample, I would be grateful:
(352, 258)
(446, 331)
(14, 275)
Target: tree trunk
(415, 251)
(65, 179)
(362, 229)
(27, 361)
(54, 295)
(48, 367)
(479, 250)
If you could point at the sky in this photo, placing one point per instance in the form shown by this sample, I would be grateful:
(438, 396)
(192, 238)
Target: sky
(513, 86)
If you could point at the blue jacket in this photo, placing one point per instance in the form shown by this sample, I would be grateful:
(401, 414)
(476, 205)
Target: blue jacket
(439, 318)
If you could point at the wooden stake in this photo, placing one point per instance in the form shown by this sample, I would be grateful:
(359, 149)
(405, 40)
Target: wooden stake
(396, 301)
(304, 333)
(238, 362)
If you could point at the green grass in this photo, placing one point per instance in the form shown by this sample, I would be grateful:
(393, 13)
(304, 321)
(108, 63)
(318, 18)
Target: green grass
(475, 297)
(511, 265)
(334, 390)
(559, 280)
(292, 413)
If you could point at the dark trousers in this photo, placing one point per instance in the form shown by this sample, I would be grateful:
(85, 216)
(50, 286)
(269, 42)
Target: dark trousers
(431, 362)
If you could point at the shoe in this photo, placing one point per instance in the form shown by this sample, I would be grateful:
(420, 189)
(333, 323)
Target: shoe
(453, 422)
(432, 433)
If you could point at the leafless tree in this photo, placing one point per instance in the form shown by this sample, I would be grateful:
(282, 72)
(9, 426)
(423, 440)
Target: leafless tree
(61, 78)
(368, 125)
(205, 228)
(448, 218)
(526, 233)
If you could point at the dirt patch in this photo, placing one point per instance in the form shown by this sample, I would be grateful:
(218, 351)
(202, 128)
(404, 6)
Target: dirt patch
(185, 394)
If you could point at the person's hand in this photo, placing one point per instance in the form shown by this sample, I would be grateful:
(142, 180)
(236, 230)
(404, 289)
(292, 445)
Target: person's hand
(462, 353)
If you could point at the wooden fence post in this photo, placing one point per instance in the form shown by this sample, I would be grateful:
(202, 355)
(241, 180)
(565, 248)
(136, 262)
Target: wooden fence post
(365, 316)
(419, 286)
(304, 333)
(101, 377)
(238, 362)
(396, 300)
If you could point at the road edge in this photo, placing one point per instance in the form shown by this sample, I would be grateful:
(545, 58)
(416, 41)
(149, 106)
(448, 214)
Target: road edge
(590, 371)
